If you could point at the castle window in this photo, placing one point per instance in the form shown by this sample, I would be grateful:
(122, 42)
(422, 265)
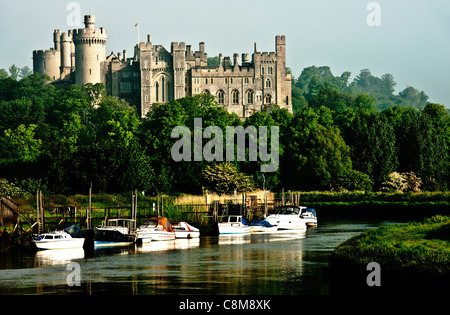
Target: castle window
(250, 97)
(206, 81)
(262, 70)
(269, 70)
(267, 99)
(146, 98)
(231, 80)
(90, 71)
(268, 83)
(246, 80)
(212, 81)
(206, 92)
(220, 97)
(157, 91)
(163, 88)
(235, 97)
(226, 80)
(287, 100)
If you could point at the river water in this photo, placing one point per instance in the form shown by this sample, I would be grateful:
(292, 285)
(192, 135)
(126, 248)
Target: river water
(257, 264)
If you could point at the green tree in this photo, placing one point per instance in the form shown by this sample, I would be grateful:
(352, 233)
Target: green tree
(314, 155)
(372, 141)
(224, 178)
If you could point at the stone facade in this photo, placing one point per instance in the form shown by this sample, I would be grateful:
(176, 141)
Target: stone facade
(156, 75)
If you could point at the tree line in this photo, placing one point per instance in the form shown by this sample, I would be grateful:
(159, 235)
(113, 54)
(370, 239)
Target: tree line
(62, 140)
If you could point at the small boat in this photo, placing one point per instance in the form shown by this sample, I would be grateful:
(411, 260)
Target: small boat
(261, 226)
(293, 218)
(57, 240)
(185, 230)
(155, 229)
(114, 232)
(233, 224)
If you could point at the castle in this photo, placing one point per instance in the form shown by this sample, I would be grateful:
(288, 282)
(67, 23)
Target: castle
(155, 75)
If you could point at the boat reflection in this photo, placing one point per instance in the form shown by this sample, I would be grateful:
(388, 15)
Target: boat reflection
(57, 256)
(168, 245)
(261, 237)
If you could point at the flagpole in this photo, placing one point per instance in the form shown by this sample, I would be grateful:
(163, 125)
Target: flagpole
(137, 24)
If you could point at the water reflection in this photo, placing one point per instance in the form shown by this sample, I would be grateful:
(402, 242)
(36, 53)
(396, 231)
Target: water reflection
(285, 262)
(57, 256)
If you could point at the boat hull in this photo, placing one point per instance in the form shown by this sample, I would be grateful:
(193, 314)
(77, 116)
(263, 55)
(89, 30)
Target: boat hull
(108, 237)
(187, 234)
(148, 236)
(60, 244)
(233, 229)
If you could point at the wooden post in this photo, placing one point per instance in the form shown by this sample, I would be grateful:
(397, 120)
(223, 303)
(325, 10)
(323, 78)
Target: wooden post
(157, 205)
(89, 210)
(283, 199)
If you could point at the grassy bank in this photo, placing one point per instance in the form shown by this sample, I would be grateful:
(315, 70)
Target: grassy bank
(409, 254)
(318, 198)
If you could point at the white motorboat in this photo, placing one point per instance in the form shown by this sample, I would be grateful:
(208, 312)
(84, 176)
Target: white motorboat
(233, 224)
(185, 230)
(114, 232)
(293, 218)
(155, 229)
(57, 240)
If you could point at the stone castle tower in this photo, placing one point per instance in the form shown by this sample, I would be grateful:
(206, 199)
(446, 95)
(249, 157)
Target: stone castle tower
(155, 75)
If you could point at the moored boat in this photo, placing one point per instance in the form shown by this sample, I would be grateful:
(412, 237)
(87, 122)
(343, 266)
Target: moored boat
(155, 229)
(293, 218)
(57, 240)
(261, 226)
(185, 230)
(233, 224)
(114, 232)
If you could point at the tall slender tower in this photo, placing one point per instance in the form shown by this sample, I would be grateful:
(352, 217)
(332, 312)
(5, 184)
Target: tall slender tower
(90, 53)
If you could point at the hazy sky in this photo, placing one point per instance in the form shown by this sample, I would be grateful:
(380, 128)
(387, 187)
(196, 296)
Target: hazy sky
(412, 43)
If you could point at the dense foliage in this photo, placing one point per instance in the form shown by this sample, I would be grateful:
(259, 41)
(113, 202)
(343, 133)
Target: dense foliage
(62, 140)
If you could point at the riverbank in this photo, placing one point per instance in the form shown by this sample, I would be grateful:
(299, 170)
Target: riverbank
(410, 256)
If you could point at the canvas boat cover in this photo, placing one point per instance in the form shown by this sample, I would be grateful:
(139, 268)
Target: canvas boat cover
(160, 221)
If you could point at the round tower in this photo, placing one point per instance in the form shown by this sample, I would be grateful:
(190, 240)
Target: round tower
(66, 62)
(90, 53)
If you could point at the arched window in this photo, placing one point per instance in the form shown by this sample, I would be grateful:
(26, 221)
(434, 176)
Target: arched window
(268, 83)
(267, 99)
(206, 92)
(235, 97)
(163, 89)
(220, 97)
(249, 97)
(157, 91)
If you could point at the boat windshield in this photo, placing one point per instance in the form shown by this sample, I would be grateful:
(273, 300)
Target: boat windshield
(149, 224)
(288, 211)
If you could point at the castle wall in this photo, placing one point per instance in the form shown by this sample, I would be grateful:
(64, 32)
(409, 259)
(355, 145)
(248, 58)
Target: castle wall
(155, 75)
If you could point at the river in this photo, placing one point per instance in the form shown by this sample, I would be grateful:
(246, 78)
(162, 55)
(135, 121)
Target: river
(257, 264)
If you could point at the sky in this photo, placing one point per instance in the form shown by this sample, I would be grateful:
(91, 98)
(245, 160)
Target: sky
(411, 40)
